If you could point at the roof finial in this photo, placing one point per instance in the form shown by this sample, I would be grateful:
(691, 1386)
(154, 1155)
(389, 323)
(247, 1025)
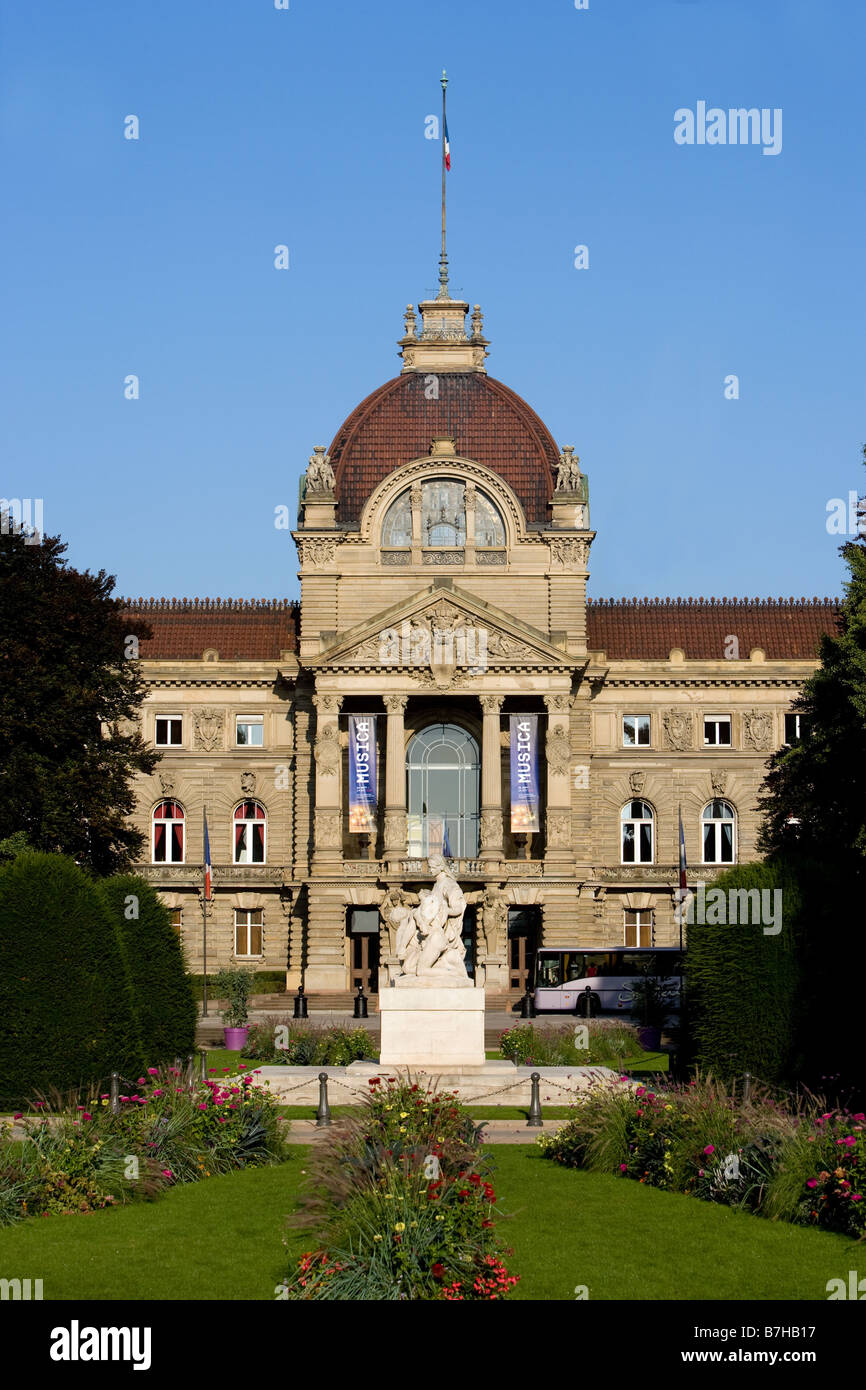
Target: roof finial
(446, 164)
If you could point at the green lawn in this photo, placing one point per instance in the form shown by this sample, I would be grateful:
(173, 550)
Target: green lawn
(223, 1238)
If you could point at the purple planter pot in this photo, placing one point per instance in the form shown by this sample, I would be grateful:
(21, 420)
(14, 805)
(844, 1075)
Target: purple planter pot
(649, 1038)
(235, 1038)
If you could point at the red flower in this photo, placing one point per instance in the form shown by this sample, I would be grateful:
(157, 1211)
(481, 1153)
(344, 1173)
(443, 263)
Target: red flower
(437, 1271)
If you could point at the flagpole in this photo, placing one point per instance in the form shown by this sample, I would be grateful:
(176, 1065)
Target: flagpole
(204, 909)
(443, 259)
(681, 856)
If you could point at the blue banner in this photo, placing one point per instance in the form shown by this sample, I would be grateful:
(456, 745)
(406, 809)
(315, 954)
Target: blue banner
(362, 774)
(524, 774)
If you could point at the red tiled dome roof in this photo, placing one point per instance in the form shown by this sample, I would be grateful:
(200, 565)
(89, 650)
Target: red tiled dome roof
(488, 422)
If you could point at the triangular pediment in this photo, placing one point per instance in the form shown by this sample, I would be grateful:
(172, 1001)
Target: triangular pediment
(443, 628)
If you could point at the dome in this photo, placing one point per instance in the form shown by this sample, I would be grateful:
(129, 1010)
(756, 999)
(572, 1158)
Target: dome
(488, 421)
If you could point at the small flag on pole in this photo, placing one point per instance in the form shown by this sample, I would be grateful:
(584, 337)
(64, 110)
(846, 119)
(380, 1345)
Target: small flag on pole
(207, 876)
(683, 885)
(447, 148)
(446, 846)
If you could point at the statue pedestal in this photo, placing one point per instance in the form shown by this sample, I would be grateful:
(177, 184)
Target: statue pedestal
(432, 1028)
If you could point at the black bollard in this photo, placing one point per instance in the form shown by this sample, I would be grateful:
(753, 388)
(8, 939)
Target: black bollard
(360, 1005)
(189, 1072)
(300, 1009)
(587, 994)
(114, 1093)
(526, 1005)
(747, 1087)
(203, 1056)
(535, 1104)
(323, 1114)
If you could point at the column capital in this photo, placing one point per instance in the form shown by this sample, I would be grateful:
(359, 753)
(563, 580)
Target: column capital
(557, 704)
(491, 704)
(395, 704)
(327, 703)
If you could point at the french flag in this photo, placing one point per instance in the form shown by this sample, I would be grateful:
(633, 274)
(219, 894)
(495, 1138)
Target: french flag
(447, 148)
(207, 877)
(683, 886)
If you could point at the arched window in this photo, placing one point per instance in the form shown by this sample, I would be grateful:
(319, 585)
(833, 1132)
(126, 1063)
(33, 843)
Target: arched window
(249, 838)
(442, 518)
(637, 833)
(168, 821)
(444, 775)
(719, 826)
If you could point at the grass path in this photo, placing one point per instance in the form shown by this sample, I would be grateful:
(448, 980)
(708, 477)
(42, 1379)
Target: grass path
(223, 1238)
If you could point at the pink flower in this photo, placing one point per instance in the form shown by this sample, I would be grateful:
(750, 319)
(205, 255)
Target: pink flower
(813, 1182)
(166, 1172)
(700, 1172)
(710, 1149)
(142, 1081)
(159, 1093)
(85, 1116)
(202, 1105)
(18, 1115)
(623, 1167)
(153, 1071)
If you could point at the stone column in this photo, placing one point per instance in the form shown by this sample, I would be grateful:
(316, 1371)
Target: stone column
(328, 823)
(560, 850)
(395, 779)
(491, 779)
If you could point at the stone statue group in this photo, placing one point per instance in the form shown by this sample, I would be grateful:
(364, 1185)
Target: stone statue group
(428, 941)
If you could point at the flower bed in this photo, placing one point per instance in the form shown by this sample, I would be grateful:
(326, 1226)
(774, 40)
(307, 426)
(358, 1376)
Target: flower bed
(609, 1043)
(807, 1166)
(81, 1157)
(281, 1042)
(402, 1205)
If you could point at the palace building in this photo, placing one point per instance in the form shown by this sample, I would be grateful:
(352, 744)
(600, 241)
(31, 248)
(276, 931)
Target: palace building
(445, 685)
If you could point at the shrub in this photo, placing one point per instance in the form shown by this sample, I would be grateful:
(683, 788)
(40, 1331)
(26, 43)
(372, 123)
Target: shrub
(65, 996)
(162, 996)
(235, 985)
(307, 1045)
(557, 1047)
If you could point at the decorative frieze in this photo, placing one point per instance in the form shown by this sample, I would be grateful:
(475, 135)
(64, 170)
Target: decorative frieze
(328, 830)
(208, 725)
(758, 730)
(568, 552)
(316, 551)
(558, 751)
(558, 829)
(327, 751)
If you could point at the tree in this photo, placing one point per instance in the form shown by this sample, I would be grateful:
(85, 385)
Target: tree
(65, 997)
(70, 691)
(814, 806)
(162, 989)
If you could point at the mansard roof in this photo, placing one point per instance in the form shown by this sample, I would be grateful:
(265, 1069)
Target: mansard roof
(649, 628)
(486, 419)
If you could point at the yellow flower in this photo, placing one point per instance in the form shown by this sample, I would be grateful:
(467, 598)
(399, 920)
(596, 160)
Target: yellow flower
(440, 1218)
(403, 1114)
(401, 1226)
(377, 1237)
(412, 1223)
(389, 1196)
(402, 1129)
(669, 1107)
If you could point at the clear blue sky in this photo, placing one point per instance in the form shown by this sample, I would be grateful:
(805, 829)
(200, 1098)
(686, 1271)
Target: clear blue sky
(306, 127)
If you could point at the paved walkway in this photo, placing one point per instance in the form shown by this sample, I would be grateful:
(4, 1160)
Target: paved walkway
(495, 1131)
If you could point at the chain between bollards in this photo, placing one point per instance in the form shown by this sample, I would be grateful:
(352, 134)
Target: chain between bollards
(323, 1114)
(535, 1119)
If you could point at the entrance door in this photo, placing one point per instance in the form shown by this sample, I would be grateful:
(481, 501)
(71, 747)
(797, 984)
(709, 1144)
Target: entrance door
(363, 930)
(524, 927)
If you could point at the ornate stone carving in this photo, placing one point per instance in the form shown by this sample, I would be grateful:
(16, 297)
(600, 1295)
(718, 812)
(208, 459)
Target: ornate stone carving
(557, 704)
(167, 783)
(395, 704)
(491, 704)
(636, 782)
(207, 727)
(319, 476)
(758, 730)
(569, 552)
(410, 322)
(317, 551)
(568, 475)
(679, 729)
(719, 781)
(328, 831)
(558, 751)
(558, 829)
(494, 920)
(416, 494)
(248, 783)
(491, 829)
(469, 497)
(328, 704)
(444, 557)
(490, 557)
(396, 831)
(396, 557)
(327, 751)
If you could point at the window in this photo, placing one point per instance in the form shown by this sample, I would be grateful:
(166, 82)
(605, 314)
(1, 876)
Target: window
(250, 730)
(176, 915)
(489, 526)
(444, 777)
(638, 927)
(249, 838)
(168, 821)
(717, 730)
(442, 518)
(718, 825)
(248, 931)
(637, 833)
(635, 730)
(169, 730)
(793, 727)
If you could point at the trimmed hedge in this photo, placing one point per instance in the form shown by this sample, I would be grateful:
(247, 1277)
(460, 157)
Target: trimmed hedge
(65, 997)
(162, 991)
(742, 984)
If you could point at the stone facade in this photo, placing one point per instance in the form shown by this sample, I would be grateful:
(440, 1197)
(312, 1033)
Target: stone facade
(449, 589)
